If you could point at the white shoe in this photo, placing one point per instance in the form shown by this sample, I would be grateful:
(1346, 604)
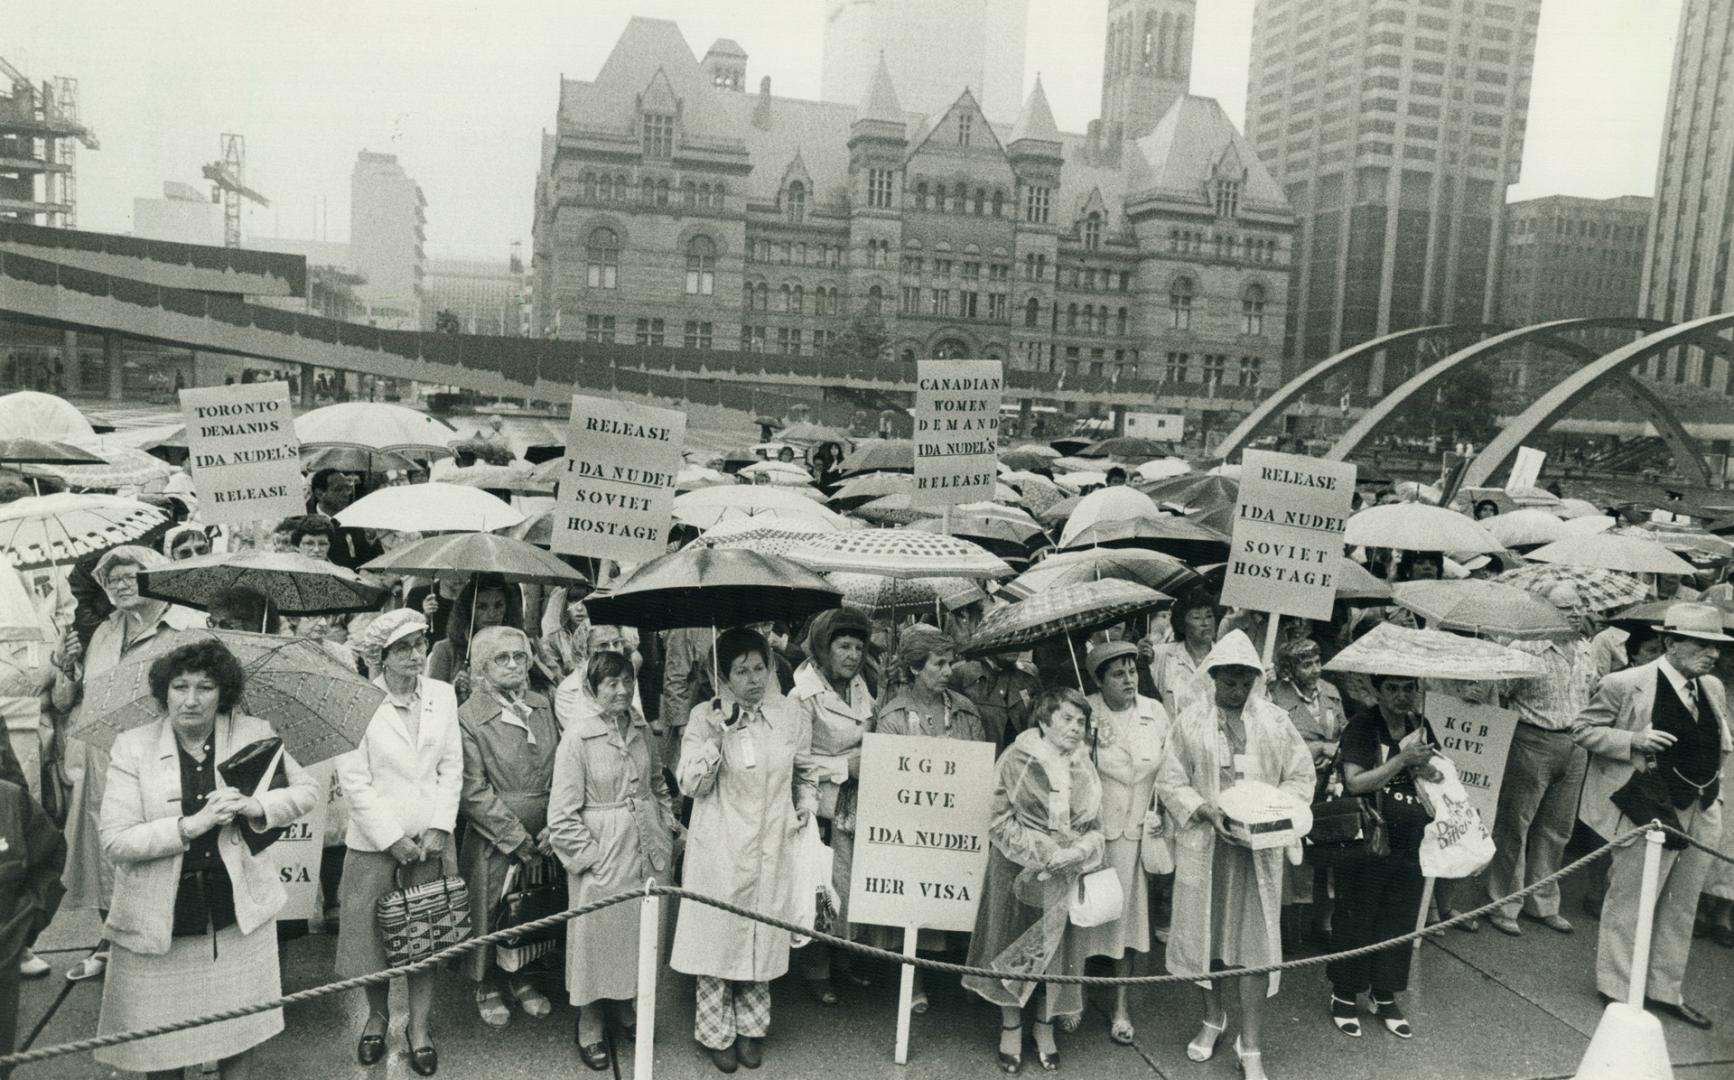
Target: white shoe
(91, 967)
(31, 966)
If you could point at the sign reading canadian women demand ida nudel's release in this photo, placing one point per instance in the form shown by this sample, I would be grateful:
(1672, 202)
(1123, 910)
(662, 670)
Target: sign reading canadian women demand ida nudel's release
(1288, 534)
(616, 493)
(243, 452)
(956, 430)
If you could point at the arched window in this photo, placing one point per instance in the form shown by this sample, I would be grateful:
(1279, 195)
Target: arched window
(1093, 231)
(799, 303)
(662, 192)
(875, 299)
(589, 185)
(602, 256)
(1071, 316)
(688, 194)
(762, 294)
(921, 195)
(716, 196)
(1120, 322)
(783, 298)
(797, 206)
(1252, 310)
(700, 266)
(1032, 312)
(998, 203)
(747, 296)
(980, 201)
(833, 306)
(1180, 304)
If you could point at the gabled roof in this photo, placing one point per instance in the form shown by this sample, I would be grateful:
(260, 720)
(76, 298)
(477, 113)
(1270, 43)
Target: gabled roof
(965, 102)
(609, 102)
(880, 102)
(1182, 153)
(1037, 120)
(659, 95)
(723, 46)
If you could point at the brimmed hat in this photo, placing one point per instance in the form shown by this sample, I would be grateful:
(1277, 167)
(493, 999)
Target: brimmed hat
(1701, 622)
(1108, 650)
(391, 628)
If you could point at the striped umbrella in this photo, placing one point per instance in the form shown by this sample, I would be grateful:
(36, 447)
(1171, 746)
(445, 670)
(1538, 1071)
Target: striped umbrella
(1089, 605)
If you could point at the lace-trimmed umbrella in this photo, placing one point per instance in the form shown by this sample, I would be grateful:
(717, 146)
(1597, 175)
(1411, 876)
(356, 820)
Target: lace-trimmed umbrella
(1389, 649)
(45, 530)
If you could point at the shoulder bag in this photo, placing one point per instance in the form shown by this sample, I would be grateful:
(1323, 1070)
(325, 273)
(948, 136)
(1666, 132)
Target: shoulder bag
(1097, 898)
(1346, 829)
(420, 920)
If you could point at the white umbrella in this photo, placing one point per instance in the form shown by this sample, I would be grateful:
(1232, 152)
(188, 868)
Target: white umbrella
(18, 621)
(693, 477)
(1417, 527)
(374, 425)
(1571, 509)
(1587, 525)
(703, 509)
(1108, 504)
(60, 528)
(899, 553)
(1611, 551)
(431, 507)
(32, 415)
(1231, 472)
(1162, 468)
(1525, 528)
(1078, 481)
(778, 472)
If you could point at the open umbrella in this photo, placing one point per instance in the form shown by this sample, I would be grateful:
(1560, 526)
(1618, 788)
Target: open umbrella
(778, 472)
(1571, 509)
(986, 530)
(1088, 605)
(698, 586)
(873, 485)
(35, 415)
(1356, 583)
(881, 595)
(517, 479)
(1035, 492)
(1389, 649)
(809, 434)
(295, 584)
(117, 467)
(879, 455)
(476, 553)
(1185, 539)
(768, 536)
(1152, 569)
(1483, 608)
(1129, 447)
(1027, 458)
(18, 620)
(1193, 491)
(1162, 469)
(899, 553)
(45, 530)
(1417, 527)
(434, 507)
(703, 509)
(694, 477)
(1650, 614)
(319, 707)
(374, 425)
(354, 459)
(24, 450)
(1068, 445)
(1610, 551)
(1107, 505)
(1526, 528)
(895, 510)
(1687, 542)
(1599, 590)
(1079, 480)
(1588, 525)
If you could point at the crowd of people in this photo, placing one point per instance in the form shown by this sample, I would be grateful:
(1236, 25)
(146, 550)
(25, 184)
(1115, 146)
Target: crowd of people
(517, 736)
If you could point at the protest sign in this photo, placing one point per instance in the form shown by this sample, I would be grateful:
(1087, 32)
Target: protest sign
(1526, 468)
(1288, 534)
(921, 831)
(297, 853)
(243, 452)
(956, 430)
(1477, 739)
(616, 493)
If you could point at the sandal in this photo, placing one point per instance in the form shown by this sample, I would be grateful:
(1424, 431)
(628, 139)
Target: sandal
(534, 1003)
(1203, 1045)
(1049, 1060)
(822, 991)
(1345, 1016)
(1012, 1064)
(491, 1004)
(1395, 1022)
(1249, 1062)
(1122, 1031)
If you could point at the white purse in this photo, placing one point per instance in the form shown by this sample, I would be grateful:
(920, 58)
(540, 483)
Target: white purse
(1097, 898)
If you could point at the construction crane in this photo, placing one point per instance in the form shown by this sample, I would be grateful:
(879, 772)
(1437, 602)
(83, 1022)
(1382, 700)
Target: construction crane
(39, 136)
(228, 178)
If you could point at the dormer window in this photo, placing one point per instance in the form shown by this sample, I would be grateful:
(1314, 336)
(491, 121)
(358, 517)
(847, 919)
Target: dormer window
(1227, 198)
(658, 138)
(964, 122)
(797, 202)
(1093, 231)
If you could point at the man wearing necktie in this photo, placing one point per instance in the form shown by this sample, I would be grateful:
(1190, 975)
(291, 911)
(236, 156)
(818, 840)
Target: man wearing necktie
(1668, 718)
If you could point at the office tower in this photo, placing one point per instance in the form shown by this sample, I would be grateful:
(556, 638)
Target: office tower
(387, 230)
(933, 48)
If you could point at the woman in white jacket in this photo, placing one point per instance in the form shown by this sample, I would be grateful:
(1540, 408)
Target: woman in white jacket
(402, 785)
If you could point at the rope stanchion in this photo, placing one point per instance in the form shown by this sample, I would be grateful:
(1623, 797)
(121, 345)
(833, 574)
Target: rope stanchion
(649, 893)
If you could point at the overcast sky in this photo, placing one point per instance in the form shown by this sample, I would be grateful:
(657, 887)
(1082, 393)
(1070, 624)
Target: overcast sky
(461, 91)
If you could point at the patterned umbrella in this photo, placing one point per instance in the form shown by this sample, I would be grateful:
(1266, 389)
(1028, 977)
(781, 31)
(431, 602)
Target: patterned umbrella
(1389, 649)
(24, 450)
(119, 466)
(41, 416)
(436, 507)
(768, 536)
(476, 553)
(895, 510)
(1600, 590)
(703, 509)
(1152, 569)
(1610, 551)
(1088, 605)
(697, 586)
(983, 528)
(319, 707)
(43, 530)
(1417, 527)
(1038, 492)
(372, 425)
(901, 553)
(880, 455)
(354, 459)
(883, 595)
(1482, 608)
(295, 584)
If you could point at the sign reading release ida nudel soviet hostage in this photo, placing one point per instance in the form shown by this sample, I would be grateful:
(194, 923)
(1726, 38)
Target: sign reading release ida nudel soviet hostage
(616, 493)
(956, 430)
(921, 831)
(243, 452)
(1288, 534)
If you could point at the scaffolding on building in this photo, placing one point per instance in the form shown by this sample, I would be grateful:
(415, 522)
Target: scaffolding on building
(40, 133)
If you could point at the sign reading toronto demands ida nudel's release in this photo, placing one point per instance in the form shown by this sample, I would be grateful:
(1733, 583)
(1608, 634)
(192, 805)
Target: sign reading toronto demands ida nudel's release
(1288, 534)
(956, 430)
(242, 449)
(921, 832)
(616, 494)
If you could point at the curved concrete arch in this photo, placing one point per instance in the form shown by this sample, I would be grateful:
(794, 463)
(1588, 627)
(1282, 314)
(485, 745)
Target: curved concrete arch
(1579, 385)
(1425, 379)
(1287, 394)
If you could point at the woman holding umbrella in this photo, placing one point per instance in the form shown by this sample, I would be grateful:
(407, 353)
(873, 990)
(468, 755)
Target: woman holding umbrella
(509, 737)
(1227, 898)
(742, 756)
(486, 601)
(194, 908)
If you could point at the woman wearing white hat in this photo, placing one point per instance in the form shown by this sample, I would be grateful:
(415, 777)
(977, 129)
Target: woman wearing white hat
(402, 785)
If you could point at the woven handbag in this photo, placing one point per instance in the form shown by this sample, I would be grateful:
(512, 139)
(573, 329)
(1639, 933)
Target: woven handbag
(420, 920)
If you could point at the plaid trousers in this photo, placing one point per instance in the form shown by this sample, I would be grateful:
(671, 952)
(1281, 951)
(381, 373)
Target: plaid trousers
(727, 1008)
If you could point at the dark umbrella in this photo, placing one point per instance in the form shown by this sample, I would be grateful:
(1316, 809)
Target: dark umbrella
(880, 455)
(27, 451)
(355, 459)
(1006, 538)
(1368, 473)
(1188, 540)
(1194, 491)
(1083, 607)
(1069, 445)
(1648, 616)
(713, 587)
(1026, 460)
(295, 584)
(516, 561)
(1220, 518)
(1131, 447)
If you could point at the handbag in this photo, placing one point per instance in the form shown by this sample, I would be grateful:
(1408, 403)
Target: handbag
(1097, 898)
(1155, 847)
(420, 920)
(538, 895)
(244, 770)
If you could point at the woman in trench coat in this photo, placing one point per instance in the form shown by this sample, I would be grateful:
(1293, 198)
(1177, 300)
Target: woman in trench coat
(509, 740)
(1227, 898)
(612, 825)
(746, 760)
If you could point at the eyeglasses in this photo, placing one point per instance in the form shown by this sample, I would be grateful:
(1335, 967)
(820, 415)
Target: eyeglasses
(515, 659)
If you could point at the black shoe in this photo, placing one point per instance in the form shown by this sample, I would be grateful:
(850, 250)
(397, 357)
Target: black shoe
(749, 1051)
(594, 1055)
(370, 1050)
(1012, 1064)
(725, 1059)
(425, 1061)
(1681, 1011)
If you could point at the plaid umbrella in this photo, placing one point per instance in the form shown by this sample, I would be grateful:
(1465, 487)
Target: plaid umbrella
(319, 707)
(1599, 590)
(295, 584)
(881, 595)
(43, 530)
(517, 561)
(1152, 569)
(1483, 607)
(1089, 605)
(697, 586)
(901, 553)
(1389, 649)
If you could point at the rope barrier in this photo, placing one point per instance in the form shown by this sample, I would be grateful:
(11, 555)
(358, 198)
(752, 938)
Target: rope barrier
(548, 922)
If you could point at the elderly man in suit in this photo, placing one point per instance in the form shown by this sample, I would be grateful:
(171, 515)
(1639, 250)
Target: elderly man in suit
(1668, 717)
